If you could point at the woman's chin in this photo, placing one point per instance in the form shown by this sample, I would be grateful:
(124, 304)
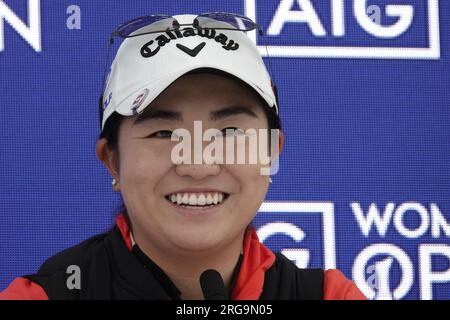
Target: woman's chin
(198, 240)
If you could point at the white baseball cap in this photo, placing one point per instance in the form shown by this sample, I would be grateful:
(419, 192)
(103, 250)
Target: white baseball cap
(147, 64)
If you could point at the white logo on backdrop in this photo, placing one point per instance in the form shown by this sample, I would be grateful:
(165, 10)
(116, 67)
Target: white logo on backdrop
(375, 222)
(365, 16)
(382, 270)
(30, 33)
(301, 256)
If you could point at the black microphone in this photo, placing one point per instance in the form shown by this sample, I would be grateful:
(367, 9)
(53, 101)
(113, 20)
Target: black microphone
(213, 286)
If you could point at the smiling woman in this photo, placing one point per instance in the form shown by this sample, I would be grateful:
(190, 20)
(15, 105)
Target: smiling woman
(188, 228)
(182, 219)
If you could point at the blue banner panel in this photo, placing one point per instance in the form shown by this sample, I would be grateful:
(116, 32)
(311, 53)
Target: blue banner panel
(364, 178)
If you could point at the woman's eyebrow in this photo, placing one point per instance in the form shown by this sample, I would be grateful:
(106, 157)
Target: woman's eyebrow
(231, 111)
(153, 114)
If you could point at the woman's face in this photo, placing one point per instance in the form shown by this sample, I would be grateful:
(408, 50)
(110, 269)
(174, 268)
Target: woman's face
(152, 185)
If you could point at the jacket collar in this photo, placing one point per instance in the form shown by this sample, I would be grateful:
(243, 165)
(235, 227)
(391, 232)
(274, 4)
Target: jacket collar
(256, 260)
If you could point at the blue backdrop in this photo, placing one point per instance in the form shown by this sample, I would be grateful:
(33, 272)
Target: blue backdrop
(364, 180)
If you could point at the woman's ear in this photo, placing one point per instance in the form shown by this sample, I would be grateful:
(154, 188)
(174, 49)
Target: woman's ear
(280, 142)
(276, 146)
(109, 158)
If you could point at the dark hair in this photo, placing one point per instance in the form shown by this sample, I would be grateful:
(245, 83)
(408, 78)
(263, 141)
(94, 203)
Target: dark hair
(111, 129)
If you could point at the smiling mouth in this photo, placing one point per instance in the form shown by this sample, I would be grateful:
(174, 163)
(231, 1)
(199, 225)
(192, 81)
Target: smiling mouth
(198, 200)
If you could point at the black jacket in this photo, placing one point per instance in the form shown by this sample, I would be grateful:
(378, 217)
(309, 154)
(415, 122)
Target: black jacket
(109, 270)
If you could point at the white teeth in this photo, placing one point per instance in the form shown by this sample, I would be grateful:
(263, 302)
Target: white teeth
(196, 199)
(201, 201)
(208, 199)
(193, 200)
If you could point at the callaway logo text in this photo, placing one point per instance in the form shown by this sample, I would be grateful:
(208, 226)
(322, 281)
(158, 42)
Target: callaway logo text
(152, 47)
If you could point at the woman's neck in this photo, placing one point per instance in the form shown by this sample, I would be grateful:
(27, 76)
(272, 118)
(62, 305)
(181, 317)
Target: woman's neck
(184, 269)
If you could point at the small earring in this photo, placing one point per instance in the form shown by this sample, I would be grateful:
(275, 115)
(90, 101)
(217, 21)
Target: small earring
(270, 180)
(114, 182)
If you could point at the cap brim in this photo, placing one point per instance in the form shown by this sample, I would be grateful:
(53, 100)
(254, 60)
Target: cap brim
(155, 88)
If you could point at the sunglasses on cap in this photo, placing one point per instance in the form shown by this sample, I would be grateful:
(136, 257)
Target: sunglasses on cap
(164, 23)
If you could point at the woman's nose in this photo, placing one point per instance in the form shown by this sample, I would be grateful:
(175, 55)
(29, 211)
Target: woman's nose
(197, 171)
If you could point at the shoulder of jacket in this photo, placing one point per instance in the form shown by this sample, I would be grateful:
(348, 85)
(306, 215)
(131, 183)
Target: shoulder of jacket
(23, 289)
(284, 264)
(285, 280)
(338, 287)
(75, 255)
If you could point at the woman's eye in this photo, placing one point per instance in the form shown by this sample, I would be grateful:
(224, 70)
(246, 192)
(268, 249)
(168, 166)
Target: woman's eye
(161, 134)
(231, 131)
